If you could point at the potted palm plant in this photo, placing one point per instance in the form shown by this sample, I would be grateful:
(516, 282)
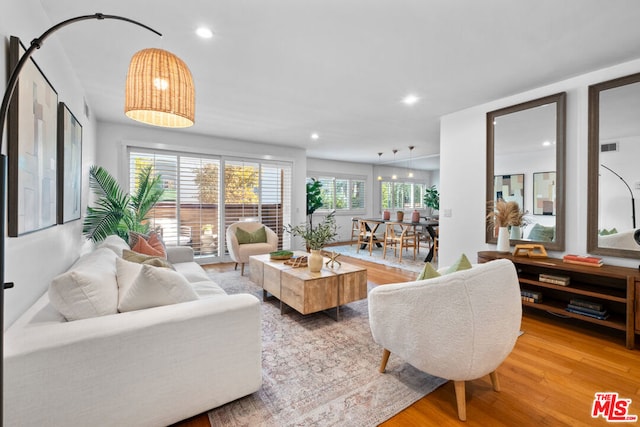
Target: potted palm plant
(118, 212)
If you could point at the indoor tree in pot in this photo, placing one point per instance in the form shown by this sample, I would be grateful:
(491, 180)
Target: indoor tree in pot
(118, 212)
(432, 198)
(316, 238)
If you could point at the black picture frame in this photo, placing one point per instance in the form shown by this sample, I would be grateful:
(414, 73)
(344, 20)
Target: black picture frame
(32, 149)
(69, 165)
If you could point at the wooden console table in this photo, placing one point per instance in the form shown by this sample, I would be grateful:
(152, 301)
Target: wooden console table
(616, 288)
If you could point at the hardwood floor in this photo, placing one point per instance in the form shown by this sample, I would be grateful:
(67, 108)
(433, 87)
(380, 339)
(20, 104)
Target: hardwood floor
(549, 379)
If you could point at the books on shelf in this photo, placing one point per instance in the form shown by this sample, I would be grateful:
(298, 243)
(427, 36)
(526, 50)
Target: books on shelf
(582, 311)
(531, 296)
(586, 304)
(579, 309)
(554, 279)
(591, 261)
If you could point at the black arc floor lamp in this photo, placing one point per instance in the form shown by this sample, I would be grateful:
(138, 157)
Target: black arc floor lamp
(159, 91)
(633, 201)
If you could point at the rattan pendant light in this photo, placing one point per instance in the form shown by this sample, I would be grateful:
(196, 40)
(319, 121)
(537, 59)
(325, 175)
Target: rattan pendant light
(159, 90)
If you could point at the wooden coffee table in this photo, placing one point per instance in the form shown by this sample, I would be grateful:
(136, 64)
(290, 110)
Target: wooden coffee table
(308, 292)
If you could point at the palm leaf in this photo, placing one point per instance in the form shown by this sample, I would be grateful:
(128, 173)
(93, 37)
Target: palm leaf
(147, 194)
(112, 206)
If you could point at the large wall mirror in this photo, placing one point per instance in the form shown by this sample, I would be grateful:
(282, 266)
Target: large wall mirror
(528, 139)
(614, 176)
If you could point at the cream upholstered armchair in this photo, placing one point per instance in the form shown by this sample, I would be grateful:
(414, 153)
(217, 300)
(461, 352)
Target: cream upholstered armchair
(240, 253)
(460, 326)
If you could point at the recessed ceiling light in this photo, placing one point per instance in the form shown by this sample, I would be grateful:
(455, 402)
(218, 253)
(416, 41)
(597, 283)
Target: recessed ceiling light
(410, 99)
(315, 136)
(546, 143)
(204, 32)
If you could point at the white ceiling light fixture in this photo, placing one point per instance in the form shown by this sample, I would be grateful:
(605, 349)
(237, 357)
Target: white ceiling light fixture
(379, 175)
(394, 176)
(410, 99)
(204, 32)
(315, 136)
(411, 147)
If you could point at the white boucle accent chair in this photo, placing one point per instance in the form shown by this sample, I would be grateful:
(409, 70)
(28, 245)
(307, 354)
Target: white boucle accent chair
(240, 253)
(459, 326)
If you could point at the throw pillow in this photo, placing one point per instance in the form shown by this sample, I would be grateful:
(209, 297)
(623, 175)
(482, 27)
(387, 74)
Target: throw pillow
(145, 259)
(245, 237)
(151, 247)
(540, 233)
(428, 272)
(115, 243)
(153, 287)
(88, 289)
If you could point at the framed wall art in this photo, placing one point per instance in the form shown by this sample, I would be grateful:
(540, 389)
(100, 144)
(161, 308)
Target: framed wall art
(544, 193)
(32, 149)
(69, 165)
(509, 188)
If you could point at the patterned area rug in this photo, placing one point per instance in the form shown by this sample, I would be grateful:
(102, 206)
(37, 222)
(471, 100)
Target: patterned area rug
(376, 256)
(318, 372)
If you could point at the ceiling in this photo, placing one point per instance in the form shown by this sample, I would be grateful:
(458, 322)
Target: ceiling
(278, 70)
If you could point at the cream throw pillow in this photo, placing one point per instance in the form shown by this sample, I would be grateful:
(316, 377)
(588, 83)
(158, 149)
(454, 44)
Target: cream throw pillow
(143, 286)
(88, 288)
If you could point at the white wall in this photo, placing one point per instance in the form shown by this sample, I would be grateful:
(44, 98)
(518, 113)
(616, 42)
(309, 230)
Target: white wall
(31, 261)
(463, 168)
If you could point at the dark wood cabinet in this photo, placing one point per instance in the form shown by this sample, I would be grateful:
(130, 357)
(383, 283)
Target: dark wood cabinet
(615, 288)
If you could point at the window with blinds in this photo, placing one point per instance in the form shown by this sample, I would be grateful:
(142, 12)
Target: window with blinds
(402, 195)
(340, 193)
(195, 212)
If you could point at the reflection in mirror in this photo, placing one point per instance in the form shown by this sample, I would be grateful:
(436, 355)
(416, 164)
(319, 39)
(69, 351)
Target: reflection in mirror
(527, 140)
(614, 145)
(509, 188)
(544, 193)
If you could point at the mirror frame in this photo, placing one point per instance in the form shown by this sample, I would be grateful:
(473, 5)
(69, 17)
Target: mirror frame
(593, 167)
(561, 100)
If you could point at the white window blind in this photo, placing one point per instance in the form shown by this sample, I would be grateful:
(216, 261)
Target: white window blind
(340, 193)
(193, 210)
(402, 195)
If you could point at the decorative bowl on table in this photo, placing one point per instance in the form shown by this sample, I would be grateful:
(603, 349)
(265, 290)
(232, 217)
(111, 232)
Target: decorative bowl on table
(280, 255)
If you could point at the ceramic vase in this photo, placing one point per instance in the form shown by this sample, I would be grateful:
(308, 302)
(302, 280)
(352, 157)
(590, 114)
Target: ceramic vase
(315, 261)
(400, 216)
(516, 232)
(503, 240)
(415, 216)
(386, 215)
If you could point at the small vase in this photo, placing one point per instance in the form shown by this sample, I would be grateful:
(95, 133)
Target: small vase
(386, 215)
(516, 232)
(315, 261)
(400, 216)
(503, 240)
(415, 216)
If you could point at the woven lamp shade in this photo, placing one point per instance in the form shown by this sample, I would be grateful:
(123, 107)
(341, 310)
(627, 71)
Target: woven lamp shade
(159, 90)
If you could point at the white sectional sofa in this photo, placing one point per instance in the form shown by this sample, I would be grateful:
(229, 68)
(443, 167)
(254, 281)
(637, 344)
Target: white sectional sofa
(148, 367)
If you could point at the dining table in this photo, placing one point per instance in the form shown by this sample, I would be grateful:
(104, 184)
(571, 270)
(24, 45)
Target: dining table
(426, 223)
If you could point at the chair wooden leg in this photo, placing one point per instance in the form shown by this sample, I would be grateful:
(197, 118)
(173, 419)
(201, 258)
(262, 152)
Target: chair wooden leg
(242, 269)
(385, 359)
(494, 380)
(236, 267)
(460, 400)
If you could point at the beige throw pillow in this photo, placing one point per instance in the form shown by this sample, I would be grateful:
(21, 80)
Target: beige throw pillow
(150, 286)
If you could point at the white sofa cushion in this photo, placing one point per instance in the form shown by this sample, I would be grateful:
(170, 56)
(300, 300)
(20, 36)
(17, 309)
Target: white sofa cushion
(150, 286)
(115, 243)
(191, 271)
(88, 288)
